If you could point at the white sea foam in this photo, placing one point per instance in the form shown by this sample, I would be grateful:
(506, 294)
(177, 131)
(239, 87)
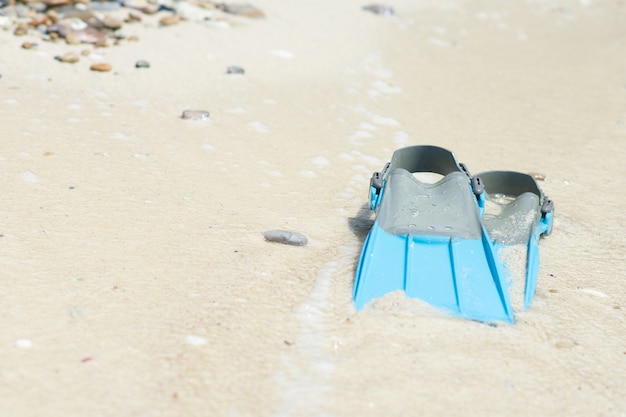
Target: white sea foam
(320, 161)
(281, 53)
(383, 120)
(307, 173)
(439, 42)
(119, 136)
(593, 292)
(355, 137)
(309, 366)
(29, 177)
(386, 87)
(238, 110)
(24, 343)
(259, 127)
(400, 137)
(195, 340)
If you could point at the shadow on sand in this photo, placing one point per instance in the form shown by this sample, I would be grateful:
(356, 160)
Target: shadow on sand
(361, 224)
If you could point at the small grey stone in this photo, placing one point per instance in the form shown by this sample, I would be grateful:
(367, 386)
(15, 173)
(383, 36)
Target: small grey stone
(142, 64)
(22, 10)
(380, 9)
(105, 6)
(234, 69)
(195, 115)
(37, 6)
(286, 237)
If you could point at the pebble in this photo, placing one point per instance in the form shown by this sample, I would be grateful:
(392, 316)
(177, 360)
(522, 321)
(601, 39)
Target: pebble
(166, 8)
(565, 344)
(86, 35)
(380, 9)
(70, 58)
(54, 3)
(195, 115)
(101, 67)
(286, 237)
(111, 22)
(246, 10)
(168, 21)
(53, 15)
(143, 6)
(233, 69)
(194, 12)
(21, 29)
(142, 64)
(89, 22)
(133, 17)
(537, 175)
(72, 38)
(105, 6)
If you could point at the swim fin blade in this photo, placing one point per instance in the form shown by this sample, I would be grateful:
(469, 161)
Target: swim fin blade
(428, 240)
(523, 214)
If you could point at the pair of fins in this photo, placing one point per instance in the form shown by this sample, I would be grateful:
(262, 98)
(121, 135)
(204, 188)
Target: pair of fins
(435, 242)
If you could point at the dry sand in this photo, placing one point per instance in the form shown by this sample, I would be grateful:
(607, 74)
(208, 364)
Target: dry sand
(134, 278)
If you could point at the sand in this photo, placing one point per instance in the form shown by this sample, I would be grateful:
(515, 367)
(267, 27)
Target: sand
(134, 277)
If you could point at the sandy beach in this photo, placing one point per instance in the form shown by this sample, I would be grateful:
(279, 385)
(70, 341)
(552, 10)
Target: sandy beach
(134, 276)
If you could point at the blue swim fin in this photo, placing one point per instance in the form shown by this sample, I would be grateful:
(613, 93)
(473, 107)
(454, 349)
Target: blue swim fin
(428, 239)
(523, 214)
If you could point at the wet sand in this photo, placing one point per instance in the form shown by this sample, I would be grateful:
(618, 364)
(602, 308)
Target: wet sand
(135, 279)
